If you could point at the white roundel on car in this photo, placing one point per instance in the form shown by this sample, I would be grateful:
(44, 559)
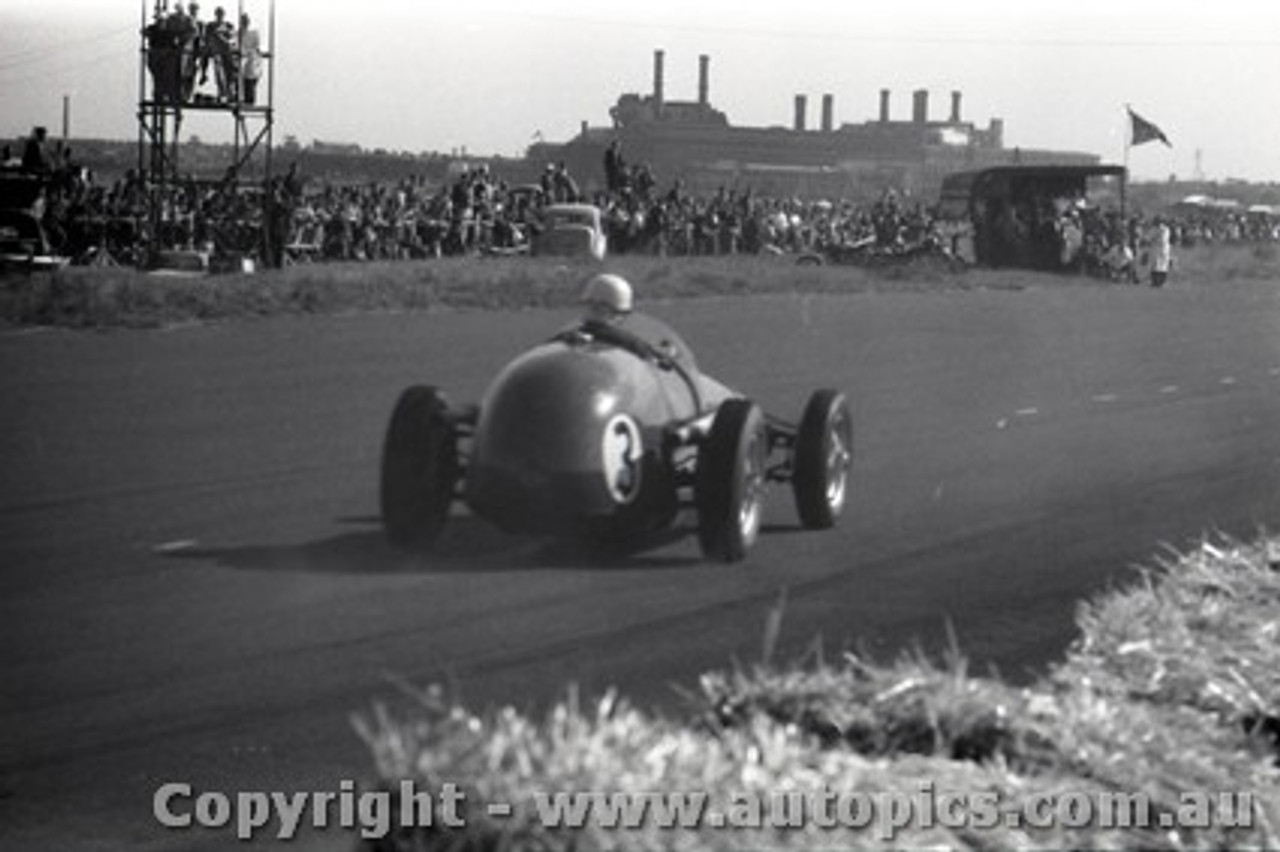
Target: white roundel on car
(621, 454)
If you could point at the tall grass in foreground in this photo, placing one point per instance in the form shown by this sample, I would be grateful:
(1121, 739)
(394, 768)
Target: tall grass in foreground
(97, 298)
(1173, 686)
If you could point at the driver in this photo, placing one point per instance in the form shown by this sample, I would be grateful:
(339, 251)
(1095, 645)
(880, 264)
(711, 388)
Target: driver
(610, 318)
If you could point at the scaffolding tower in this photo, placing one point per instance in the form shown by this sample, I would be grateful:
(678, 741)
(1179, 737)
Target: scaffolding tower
(171, 63)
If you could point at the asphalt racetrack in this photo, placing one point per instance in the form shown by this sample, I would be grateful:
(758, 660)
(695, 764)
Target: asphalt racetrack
(194, 585)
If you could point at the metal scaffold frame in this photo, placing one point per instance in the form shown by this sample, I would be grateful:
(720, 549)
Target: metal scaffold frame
(165, 97)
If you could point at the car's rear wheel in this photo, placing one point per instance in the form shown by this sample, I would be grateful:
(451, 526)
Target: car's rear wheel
(823, 453)
(419, 469)
(730, 482)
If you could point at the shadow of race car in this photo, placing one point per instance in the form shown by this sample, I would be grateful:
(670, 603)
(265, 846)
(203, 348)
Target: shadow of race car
(607, 433)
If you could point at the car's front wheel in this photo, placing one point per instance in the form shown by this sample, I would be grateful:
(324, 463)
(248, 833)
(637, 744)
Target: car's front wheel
(420, 469)
(730, 482)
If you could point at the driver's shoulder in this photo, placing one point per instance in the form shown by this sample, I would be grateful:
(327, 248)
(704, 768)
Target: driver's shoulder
(659, 335)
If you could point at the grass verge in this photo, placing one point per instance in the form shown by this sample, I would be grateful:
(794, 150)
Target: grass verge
(1171, 690)
(104, 298)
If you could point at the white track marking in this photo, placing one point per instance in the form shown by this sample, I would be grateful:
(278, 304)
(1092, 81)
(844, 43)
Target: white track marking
(1227, 380)
(176, 546)
(1167, 389)
(1027, 412)
(1105, 397)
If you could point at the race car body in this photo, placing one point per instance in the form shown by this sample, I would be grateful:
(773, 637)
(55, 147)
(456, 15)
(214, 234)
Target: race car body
(608, 430)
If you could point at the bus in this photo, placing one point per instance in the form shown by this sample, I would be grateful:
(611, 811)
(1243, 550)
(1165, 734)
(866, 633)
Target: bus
(1014, 215)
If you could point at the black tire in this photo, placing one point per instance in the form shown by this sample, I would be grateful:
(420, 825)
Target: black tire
(419, 469)
(730, 480)
(823, 452)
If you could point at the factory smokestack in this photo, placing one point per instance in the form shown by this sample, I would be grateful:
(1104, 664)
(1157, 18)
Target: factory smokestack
(884, 106)
(955, 107)
(658, 94)
(828, 113)
(920, 106)
(704, 79)
(802, 104)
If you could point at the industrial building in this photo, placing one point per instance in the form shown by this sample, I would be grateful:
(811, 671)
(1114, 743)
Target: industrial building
(696, 143)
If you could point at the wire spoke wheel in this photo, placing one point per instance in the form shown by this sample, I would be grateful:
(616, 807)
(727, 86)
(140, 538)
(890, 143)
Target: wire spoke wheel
(823, 456)
(730, 482)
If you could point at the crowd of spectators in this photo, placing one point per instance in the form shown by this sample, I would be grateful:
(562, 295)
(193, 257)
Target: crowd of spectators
(1067, 233)
(291, 219)
(93, 222)
(477, 213)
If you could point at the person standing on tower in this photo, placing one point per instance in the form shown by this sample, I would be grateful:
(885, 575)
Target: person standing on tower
(250, 60)
(185, 26)
(218, 43)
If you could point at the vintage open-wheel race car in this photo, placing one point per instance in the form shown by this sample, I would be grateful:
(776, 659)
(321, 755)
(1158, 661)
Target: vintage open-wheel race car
(608, 432)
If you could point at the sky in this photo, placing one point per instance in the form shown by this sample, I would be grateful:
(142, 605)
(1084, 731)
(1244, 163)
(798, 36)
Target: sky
(493, 75)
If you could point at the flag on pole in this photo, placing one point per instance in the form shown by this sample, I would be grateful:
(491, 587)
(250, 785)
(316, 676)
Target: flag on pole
(1145, 131)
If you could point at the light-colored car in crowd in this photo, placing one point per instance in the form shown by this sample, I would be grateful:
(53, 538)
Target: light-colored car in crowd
(571, 230)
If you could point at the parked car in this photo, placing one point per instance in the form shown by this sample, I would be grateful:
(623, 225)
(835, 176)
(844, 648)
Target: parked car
(571, 230)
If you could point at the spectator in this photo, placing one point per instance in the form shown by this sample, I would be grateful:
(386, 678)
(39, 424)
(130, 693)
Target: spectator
(614, 167)
(1071, 233)
(250, 60)
(563, 187)
(164, 57)
(1161, 249)
(35, 155)
(218, 45)
(185, 28)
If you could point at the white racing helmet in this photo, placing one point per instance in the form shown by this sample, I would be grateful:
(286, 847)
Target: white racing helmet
(607, 294)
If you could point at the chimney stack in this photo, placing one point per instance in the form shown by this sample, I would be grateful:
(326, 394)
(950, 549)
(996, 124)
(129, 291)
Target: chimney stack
(955, 107)
(920, 106)
(704, 79)
(658, 93)
(995, 132)
(884, 106)
(828, 113)
(802, 104)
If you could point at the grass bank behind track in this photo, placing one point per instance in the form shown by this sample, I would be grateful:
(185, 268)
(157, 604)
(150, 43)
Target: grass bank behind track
(83, 297)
